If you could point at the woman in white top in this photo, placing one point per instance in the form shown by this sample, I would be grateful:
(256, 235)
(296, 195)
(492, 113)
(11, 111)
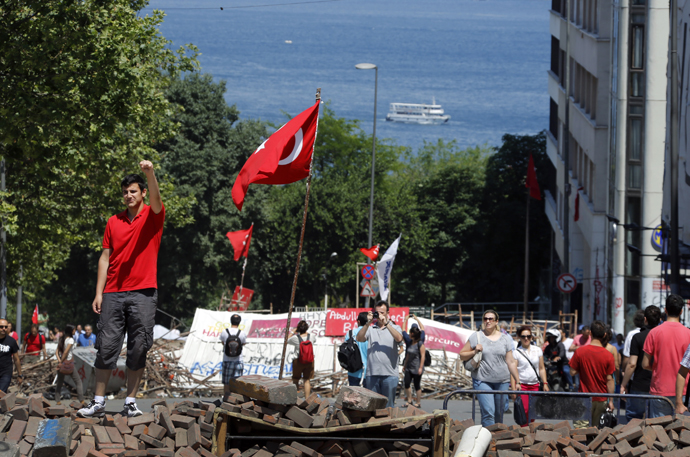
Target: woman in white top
(63, 353)
(530, 360)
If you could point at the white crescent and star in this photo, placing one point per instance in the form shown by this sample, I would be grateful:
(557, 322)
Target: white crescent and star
(296, 150)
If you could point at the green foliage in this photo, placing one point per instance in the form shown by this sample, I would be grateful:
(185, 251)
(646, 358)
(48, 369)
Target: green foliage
(196, 261)
(82, 102)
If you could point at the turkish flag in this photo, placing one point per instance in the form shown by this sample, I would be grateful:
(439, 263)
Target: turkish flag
(531, 182)
(34, 318)
(240, 241)
(285, 157)
(372, 253)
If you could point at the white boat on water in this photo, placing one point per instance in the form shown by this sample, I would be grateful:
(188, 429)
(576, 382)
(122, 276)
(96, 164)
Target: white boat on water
(417, 113)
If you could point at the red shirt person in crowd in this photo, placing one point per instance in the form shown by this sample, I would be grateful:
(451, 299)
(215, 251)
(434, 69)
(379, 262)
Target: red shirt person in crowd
(34, 343)
(596, 366)
(663, 351)
(127, 288)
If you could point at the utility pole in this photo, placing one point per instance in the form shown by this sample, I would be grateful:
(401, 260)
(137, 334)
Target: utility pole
(566, 159)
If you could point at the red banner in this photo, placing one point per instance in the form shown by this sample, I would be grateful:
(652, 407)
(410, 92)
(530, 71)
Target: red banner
(340, 320)
(240, 301)
(275, 328)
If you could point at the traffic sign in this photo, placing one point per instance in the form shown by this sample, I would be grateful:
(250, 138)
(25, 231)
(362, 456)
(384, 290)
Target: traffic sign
(566, 283)
(368, 272)
(367, 291)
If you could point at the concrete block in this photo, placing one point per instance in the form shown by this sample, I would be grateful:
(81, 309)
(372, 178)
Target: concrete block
(121, 425)
(145, 418)
(36, 407)
(156, 431)
(167, 423)
(114, 435)
(265, 389)
(83, 449)
(16, 432)
(180, 438)
(182, 421)
(299, 416)
(7, 402)
(194, 436)
(100, 434)
(20, 413)
(152, 441)
(361, 399)
(32, 426)
(53, 438)
(9, 450)
(130, 442)
(164, 452)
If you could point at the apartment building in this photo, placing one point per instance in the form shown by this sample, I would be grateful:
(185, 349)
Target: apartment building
(606, 141)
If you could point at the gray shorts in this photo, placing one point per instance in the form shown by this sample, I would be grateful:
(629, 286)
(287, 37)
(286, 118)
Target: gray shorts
(133, 312)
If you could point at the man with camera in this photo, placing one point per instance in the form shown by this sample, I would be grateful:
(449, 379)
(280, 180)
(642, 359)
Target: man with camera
(383, 338)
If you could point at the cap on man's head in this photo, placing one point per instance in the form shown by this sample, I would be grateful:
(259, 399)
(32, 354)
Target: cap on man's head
(581, 327)
(413, 326)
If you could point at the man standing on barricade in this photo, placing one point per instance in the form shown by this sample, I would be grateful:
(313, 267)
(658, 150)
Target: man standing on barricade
(596, 366)
(127, 288)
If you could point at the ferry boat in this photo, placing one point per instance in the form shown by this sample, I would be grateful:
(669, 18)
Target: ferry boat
(417, 113)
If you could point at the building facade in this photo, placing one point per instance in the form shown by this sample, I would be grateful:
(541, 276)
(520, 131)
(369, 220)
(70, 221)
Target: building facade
(606, 141)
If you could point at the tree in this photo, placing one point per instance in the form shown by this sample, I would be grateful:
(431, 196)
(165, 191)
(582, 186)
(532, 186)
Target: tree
(196, 260)
(82, 101)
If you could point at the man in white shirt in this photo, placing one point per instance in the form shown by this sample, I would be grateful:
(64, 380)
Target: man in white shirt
(638, 320)
(233, 340)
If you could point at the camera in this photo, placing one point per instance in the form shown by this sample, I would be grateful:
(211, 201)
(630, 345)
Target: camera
(375, 314)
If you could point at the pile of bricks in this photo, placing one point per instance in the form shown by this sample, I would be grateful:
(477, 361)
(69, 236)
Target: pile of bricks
(30, 426)
(261, 407)
(658, 437)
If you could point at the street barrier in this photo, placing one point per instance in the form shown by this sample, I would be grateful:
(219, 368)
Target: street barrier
(558, 405)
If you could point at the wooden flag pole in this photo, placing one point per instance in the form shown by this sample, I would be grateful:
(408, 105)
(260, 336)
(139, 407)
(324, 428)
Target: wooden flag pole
(299, 251)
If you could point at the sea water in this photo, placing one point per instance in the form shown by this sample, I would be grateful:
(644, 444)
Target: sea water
(484, 61)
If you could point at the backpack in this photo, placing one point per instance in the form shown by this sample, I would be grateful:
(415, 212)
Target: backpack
(233, 345)
(349, 356)
(306, 351)
(427, 356)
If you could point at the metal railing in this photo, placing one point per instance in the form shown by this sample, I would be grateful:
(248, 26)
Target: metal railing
(572, 395)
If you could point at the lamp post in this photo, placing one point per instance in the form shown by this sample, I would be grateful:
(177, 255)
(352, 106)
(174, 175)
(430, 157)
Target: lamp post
(325, 279)
(371, 66)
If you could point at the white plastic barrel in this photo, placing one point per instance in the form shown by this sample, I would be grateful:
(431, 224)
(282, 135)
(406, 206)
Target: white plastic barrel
(474, 442)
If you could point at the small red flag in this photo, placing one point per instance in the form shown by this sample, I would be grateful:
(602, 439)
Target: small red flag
(576, 216)
(531, 182)
(372, 252)
(240, 241)
(285, 157)
(34, 318)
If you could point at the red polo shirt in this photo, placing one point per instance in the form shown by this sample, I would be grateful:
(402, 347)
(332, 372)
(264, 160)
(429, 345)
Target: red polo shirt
(134, 250)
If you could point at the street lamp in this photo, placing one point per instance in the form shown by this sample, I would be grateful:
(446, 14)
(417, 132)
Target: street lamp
(325, 278)
(371, 66)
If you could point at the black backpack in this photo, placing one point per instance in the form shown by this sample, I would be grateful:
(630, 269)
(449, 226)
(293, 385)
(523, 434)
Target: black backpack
(233, 345)
(427, 356)
(349, 356)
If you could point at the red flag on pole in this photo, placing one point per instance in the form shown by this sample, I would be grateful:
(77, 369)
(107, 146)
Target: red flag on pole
(531, 183)
(372, 252)
(34, 318)
(285, 157)
(240, 241)
(576, 216)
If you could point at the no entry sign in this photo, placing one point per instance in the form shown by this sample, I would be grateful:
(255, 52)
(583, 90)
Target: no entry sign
(566, 283)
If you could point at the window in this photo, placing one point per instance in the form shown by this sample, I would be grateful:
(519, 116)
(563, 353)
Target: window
(637, 49)
(555, 57)
(632, 237)
(553, 118)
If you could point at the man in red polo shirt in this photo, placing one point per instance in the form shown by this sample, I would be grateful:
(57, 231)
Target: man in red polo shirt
(596, 366)
(126, 289)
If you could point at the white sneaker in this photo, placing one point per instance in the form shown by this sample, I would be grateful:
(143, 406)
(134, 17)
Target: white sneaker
(93, 409)
(131, 410)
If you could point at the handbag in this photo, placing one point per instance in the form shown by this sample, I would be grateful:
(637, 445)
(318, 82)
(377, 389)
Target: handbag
(607, 419)
(66, 367)
(473, 363)
(519, 415)
(541, 384)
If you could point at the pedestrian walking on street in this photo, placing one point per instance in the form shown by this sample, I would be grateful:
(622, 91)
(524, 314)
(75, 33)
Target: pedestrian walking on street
(530, 367)
(494, 370)
(413, 366)
(8, 354)
(65, 366)
(34, 343)
(637, 380)
(663, 351)
(233, 340)
(596, 366)
(303, 364)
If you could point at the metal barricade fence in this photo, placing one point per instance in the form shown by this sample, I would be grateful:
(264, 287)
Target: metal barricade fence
(548, 405)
